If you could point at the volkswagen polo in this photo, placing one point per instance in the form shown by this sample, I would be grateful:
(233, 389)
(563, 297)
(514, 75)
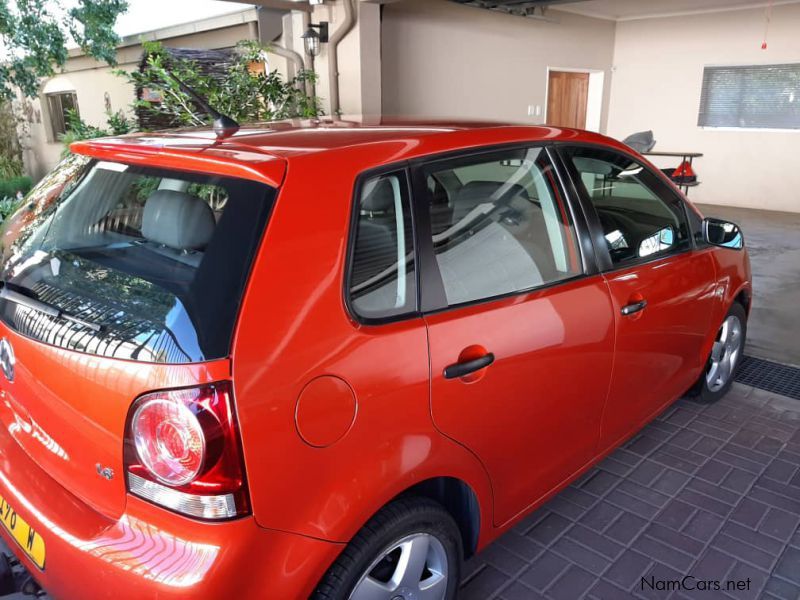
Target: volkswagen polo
(333, 360)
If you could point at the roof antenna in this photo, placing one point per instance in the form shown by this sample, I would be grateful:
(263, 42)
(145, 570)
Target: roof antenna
(223, 125)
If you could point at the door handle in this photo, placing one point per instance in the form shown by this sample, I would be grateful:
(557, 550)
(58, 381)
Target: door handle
(462, 369)
(634, 307)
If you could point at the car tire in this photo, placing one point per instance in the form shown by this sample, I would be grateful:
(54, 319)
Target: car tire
(405, 528)
(725, 358)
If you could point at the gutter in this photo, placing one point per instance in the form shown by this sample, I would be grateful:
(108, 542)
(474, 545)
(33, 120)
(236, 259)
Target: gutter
(270, 28)
(333, 56)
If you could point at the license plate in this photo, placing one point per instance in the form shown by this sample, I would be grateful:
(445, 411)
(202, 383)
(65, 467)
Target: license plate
(28, 539)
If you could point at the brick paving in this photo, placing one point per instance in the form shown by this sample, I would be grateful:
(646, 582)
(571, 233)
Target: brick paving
(707, 491)
(712, 492)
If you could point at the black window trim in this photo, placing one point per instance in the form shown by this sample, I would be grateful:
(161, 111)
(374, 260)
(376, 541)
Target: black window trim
(604, 261)
(400, 168)
(431, 285)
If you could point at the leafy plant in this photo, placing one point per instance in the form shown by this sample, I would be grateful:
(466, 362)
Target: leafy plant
(78, 129)
(240, 93)
(7, 206)
(118, 123)
(9, 187)
(10, 167)
(34, 33)
(10, 155)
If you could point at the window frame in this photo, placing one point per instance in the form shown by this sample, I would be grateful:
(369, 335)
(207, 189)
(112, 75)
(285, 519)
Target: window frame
(402, 170)
(705, 114)
(431, 286)
(61, 117)
(668, 194)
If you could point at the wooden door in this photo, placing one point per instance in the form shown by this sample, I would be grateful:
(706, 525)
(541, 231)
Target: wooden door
(567, 97)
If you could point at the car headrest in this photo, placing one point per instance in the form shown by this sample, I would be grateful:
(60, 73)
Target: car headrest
(593, 165)
(178, 220)
(478, 192)
(380, 198)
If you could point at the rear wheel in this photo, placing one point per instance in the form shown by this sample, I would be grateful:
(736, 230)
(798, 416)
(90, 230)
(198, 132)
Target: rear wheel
(410, 550)
(726, 355)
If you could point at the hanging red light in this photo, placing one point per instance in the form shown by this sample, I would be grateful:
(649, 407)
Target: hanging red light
(768, 19)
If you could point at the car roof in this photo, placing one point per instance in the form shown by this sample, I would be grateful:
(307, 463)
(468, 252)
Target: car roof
(262, 147)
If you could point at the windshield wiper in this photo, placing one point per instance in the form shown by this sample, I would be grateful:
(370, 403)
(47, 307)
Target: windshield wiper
(45, 308)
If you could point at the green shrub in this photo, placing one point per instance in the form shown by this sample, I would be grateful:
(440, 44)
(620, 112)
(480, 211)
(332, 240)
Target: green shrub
(79, 130)
(10, 167)
(7, 206)
(10, 187)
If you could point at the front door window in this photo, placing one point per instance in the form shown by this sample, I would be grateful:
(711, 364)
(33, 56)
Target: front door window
(641, 218)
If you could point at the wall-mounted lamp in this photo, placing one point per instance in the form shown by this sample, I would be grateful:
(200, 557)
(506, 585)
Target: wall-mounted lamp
(312, 40)
(315, 2)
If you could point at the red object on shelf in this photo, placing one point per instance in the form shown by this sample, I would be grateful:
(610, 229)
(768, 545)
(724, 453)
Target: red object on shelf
(684, 173)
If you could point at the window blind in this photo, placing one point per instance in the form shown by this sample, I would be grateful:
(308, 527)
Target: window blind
(753, 96)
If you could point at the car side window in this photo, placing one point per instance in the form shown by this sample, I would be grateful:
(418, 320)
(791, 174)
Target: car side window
(499, 225)
(640, 216)
(383, 280)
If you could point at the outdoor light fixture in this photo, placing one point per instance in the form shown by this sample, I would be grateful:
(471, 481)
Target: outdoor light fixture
(312, 39)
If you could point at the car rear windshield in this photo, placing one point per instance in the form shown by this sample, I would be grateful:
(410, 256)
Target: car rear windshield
(132, 263)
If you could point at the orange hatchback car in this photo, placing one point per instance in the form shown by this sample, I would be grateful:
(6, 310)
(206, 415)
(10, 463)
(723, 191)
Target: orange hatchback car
(332, 360)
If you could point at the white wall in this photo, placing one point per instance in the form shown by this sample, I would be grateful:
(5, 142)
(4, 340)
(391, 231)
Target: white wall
(441, 59)
(658, 71)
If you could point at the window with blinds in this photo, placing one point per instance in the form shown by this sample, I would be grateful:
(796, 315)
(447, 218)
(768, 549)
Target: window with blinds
(754, 96)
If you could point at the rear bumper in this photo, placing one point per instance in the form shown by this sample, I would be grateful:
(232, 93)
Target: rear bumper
(150, 552)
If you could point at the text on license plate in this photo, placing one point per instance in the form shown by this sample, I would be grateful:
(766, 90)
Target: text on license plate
(28, 539)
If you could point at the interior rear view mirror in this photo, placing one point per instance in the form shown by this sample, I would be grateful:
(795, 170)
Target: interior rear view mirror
(723, 233)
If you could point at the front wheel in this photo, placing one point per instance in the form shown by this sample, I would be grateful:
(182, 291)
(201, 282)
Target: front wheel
(410, 550)
(726, 355)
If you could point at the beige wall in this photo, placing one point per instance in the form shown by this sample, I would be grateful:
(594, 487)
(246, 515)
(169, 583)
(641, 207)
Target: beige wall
(359, 67)
(657, 80)
(359, 59)
(91, 81)
(445, 60)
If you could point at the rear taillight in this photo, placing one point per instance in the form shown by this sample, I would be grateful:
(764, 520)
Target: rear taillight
(182, 451)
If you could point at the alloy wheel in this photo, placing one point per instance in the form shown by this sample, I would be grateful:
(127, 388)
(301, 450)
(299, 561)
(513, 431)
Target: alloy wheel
(725, 354)
(413, 568)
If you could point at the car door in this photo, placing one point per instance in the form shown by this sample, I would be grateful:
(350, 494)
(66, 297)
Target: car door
(520, 325)
(662, 286)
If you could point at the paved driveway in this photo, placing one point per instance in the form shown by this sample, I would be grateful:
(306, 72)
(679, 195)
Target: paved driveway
(709, 492)
(712, 492)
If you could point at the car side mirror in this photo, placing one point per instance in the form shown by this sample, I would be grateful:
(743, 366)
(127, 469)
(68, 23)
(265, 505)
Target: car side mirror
(722, 233)
(661, 240)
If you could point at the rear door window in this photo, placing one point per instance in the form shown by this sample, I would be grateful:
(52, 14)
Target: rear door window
(499, 225)
(383, 282)
(132, 262)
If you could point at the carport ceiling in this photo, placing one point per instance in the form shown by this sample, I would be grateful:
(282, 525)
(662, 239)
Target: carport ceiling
(618, 10)
(628, 10)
